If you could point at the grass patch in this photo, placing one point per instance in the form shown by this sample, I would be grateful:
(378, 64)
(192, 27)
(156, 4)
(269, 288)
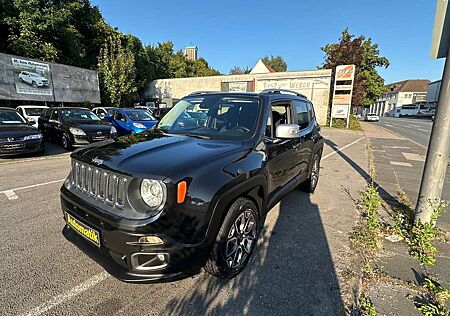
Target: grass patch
(354, 124)
(435, 301)
(366, 307)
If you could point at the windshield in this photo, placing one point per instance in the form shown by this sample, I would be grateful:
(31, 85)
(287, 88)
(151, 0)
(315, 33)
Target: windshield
(213, 116)
(33, 111)
(10, 118)
(140, 115)
(78, 115)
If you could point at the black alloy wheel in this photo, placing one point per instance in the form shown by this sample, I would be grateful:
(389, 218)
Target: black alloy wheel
(235, 241)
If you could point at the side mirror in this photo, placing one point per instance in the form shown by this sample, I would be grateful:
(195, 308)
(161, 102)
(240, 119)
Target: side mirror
(287, 131)
(31, 122)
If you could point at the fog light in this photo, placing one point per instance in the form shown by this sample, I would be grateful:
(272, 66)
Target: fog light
(153, 240)
(162, 258)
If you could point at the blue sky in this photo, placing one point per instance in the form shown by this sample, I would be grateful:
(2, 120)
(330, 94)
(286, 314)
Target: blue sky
(237, 33)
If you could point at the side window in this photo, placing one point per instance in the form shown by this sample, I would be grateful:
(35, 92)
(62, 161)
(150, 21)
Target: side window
(46, 114)
(120, 117)
(302, 114)
(54, 115)
(311, 114)
(280, 114)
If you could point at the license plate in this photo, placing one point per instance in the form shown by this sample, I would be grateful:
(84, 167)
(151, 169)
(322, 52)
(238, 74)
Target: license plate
(84, 230)
(13, 146)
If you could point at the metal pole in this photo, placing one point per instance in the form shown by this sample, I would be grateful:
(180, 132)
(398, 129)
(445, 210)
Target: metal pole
(438, 150)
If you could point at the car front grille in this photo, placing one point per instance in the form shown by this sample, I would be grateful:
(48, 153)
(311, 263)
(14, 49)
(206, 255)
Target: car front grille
(12, 139)
(99, 184)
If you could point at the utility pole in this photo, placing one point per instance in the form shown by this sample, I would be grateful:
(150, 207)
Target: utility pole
(439, 146)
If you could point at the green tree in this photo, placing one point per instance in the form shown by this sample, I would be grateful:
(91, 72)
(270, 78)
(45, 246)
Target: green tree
(117, 72)
(65, 31)
(236, 70)
(200, 68)
(360, 51)
(277, 63)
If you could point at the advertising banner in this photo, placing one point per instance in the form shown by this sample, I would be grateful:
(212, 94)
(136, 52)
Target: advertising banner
(342, 100)
(340, 111)
(31, 77)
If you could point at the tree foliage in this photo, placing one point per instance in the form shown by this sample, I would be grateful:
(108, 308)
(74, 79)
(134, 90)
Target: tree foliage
(277, 63)
(360, 51)
(73, 32)
(236, 70)
(116, 71)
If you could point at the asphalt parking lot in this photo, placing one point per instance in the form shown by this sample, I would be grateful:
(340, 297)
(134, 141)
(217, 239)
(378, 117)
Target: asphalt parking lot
(294, 264)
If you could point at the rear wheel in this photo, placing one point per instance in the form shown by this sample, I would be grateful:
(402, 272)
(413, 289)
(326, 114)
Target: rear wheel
(34, 84)
(235, 241)
(311, 183)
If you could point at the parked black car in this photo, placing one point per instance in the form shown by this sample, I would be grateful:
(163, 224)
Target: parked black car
(160, 112)
(162, 204)
(17, 135)
(74, 127)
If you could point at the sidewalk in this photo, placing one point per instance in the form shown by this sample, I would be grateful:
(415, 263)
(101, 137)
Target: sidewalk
(398, 166)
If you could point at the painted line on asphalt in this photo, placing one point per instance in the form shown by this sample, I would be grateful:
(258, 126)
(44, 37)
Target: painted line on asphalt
(34, 159)
(11, 195)
(61, 298)
(341, 149)
(404, 137)
(423, 130)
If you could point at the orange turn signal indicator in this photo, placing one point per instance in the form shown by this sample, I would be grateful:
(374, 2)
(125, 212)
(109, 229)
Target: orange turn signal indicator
(181, 191)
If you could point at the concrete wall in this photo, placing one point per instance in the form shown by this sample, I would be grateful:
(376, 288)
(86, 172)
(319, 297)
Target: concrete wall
(314, 84)
(66, 83)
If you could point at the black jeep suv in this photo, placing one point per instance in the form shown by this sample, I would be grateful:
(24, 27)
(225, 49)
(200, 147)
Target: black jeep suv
(162, 204)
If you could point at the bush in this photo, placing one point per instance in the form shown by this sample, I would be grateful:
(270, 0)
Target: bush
(354, 124)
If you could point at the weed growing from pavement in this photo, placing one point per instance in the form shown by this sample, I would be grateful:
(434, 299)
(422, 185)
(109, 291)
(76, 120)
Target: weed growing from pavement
(366, 307)
(435, 300)
(419, 236)
(423, 234)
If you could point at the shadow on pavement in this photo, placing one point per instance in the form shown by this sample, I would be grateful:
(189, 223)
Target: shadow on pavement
(385, 195)
(291, 272)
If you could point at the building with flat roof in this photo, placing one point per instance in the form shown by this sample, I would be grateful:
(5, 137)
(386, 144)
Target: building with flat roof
(191, 52)
(400, 93)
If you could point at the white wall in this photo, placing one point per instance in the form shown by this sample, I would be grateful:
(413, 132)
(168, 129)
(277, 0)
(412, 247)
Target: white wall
(314, 84)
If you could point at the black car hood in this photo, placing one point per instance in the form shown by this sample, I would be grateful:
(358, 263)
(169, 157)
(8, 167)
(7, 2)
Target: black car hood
(17, 130)
(89, 126)
(153, 154)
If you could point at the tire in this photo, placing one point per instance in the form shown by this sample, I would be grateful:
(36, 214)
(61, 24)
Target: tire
(310, 184)
(65, 141)
(224, 262)
(34, 84)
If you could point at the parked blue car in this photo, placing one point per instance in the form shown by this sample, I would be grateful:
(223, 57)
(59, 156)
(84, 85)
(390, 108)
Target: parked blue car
(130, 121)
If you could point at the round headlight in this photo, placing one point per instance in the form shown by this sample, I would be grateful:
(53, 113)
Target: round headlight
(152, 192)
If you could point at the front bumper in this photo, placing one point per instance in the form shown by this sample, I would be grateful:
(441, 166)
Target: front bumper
(119, 254)
(20, 148)
(81, 140)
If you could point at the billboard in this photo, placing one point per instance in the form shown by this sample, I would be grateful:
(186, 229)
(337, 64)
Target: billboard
(342, 92)
(25, 79)
(31, 77)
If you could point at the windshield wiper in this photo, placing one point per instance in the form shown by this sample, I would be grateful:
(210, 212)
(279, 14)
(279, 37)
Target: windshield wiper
(197, 136)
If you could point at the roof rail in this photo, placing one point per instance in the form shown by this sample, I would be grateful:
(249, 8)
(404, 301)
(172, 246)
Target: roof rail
(279, 91)
(202, 92)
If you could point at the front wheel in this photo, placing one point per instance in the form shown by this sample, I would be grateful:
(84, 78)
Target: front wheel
(310, 184)
(65, 141)
(235, 241)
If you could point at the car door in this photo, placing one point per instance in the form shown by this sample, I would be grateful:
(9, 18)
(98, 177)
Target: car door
(43, 122)
(303, 114)
(120, 122)
(282, 161)
(54, 125)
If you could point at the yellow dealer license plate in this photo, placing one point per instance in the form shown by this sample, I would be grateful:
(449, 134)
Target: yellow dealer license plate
(84, 230)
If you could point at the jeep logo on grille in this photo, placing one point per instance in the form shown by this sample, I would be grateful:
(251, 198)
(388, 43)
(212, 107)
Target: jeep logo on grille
(97, 161)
